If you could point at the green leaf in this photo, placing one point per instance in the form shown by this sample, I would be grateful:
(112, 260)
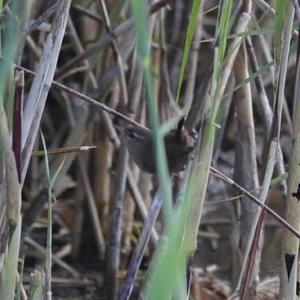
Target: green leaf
(54, 177)
(262, 70)
(281, 7)
(188, 41)
(224, 31)
(140, 20)
(46, 158)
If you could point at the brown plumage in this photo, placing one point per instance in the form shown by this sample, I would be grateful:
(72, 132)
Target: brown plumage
(179, 145)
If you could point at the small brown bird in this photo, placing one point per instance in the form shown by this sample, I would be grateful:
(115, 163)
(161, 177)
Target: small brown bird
(179, 145)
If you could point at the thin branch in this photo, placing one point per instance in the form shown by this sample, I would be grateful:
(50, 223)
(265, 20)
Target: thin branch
(139, 251)
(88, 99)
(41, 84)
(48, 13)
(104, 41)
(65, 150)
(265, 207)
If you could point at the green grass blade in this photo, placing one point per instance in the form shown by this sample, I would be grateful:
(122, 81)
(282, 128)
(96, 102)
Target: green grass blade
(140, 21)
(54, 177)
(46, 158)
(8, 275)
(281, 8)
(224, 32)
(188, 42)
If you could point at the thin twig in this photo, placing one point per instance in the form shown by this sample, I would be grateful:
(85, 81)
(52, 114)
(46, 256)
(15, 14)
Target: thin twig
(140, 202)
(105, 40)
(48, 13)
(139, 251)
(280, 80)
(56, 259)
(114, 244)
(88, 99)
(37, 96)
(264, 105)
(228, 180)
(87, 12)
(65, 150)
(92, 209)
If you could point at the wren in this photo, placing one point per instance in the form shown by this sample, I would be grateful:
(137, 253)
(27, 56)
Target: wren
(179, 145)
